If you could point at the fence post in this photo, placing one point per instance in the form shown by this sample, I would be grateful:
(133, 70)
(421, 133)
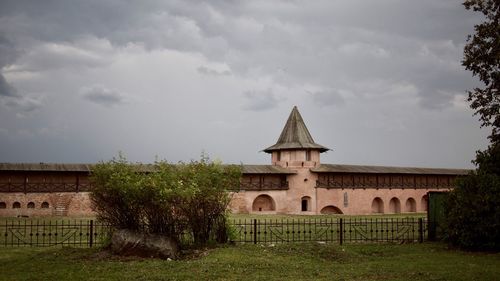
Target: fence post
(255, 231)
(341, 232)
(420, 230)
(91, 237)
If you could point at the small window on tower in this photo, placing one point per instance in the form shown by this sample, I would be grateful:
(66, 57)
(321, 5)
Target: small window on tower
(308, 155)
(278, 156)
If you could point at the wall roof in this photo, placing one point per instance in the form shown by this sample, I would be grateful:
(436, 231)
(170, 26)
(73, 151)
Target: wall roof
(295, 135)
(58, 167)
(335, 168)
(248, 169)
(265, 169)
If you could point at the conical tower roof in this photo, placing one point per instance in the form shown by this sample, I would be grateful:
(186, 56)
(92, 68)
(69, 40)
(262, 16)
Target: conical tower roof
(295, 135)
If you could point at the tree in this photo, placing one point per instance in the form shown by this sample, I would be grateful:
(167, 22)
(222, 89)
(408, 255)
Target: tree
(482, 57)
(472, 209)
(472, 212)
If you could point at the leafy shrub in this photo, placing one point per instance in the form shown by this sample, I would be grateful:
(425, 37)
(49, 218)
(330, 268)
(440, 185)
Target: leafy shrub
(116, 193)
(472, 212)
(164, 198)
(205, 197)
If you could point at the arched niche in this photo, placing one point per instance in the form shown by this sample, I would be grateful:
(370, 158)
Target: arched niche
(423, 203)
(411, 205)
(331, 210)
(394, 206)
(377, 206)
(263, 203)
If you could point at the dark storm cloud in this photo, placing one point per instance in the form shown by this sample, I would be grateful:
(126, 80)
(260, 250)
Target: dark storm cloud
(327, 98)
(24, 104)
(312, 41)
(102, 96)
(394, 57)
(260, 100)
(209, 71)
(6, 89)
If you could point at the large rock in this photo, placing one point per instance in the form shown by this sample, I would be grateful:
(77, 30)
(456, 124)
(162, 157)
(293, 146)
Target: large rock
(130, 243)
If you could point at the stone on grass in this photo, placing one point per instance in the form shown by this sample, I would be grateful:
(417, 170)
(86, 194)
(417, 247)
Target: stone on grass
(131, 243)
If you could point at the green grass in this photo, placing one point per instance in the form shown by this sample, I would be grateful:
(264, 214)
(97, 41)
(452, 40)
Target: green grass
(257, 262)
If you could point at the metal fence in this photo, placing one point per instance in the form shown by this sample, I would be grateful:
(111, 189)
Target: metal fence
(336, 230)
(41, 233)
(90, 233)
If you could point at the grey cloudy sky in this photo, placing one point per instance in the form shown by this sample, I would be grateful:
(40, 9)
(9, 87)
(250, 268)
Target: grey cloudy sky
(379, 82)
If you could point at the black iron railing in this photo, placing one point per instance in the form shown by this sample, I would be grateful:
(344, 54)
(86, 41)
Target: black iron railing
(41, 233)
(337, 230)
(90, 233)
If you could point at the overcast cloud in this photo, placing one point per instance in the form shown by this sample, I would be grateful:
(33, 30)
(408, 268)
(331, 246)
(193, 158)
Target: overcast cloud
(379, 82)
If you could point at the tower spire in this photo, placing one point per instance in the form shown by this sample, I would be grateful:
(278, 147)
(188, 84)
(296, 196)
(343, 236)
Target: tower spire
(295, 135)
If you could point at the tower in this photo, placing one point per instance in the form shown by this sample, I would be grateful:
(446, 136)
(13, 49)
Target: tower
(295, 147)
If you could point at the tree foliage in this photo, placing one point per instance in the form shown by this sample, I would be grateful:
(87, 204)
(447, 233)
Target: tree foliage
(473, 208)
(164, 198)
(482, 57)
(472, 212)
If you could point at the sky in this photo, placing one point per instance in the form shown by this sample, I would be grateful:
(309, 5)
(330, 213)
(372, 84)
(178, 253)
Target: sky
(378, 82)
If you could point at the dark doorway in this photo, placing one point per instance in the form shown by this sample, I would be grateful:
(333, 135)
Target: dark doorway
(304, 205)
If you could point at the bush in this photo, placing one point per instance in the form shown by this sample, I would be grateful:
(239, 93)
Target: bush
(164, 198)
(472, 212)
(205, 200)
(116, 193)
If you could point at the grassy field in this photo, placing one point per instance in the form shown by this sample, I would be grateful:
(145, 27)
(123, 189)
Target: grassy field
(257, 262)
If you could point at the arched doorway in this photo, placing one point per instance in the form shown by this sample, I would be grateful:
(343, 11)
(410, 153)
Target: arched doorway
(377, 206)
(330, 210)
(394, 206)
(305, 204)
(411, 205)
(263, 203)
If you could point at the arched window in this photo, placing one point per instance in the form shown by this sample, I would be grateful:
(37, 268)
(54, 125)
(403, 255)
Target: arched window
(264, 203)
(330, 210)
(3, 205)
(45, 205)
(394, 206)
(377, 206)
(411, 205)
(305, 204)
(31, 205)
(16, 205)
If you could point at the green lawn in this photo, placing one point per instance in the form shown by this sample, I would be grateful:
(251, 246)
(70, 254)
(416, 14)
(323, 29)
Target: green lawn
(313, 261)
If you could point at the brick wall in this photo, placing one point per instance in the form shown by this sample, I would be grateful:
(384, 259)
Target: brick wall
(76, 204)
